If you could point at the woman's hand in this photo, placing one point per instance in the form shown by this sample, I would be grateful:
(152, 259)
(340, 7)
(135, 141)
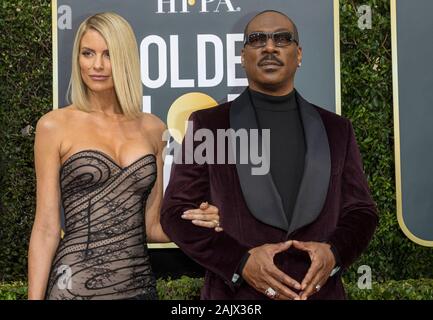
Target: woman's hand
(205, 216)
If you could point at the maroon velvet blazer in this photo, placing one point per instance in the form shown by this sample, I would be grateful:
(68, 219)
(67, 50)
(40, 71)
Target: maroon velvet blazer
(333, 204)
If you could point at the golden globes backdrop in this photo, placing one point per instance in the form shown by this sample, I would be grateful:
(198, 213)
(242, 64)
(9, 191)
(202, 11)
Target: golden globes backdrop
(412, 48)
(190, 50)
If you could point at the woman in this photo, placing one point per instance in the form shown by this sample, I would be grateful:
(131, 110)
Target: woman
(102, 158)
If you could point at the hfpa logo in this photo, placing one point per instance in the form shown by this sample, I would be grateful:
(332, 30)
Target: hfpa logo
(206, 6)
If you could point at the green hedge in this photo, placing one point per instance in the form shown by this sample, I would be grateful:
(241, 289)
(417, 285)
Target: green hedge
(189, 289)
(25, 86)
(413, 289)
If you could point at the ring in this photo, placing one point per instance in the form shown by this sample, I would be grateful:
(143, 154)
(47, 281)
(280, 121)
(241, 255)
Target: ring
(271, 293)
(318, 287)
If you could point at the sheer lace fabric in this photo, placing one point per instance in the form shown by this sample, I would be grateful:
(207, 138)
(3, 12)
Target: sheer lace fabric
(103, 254)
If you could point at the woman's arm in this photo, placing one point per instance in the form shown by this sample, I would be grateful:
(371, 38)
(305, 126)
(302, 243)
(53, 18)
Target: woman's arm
(206, 215)
(154, 232)
(46, 228)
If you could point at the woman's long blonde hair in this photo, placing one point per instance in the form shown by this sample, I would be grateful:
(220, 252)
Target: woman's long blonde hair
(122, 45)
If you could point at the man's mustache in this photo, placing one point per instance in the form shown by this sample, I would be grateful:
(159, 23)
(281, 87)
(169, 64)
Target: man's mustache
(270, 57)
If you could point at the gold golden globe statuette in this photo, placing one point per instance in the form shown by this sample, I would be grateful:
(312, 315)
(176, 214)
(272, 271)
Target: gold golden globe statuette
(182, 108)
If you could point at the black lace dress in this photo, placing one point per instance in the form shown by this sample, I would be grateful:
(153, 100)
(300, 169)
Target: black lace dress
(103, 254)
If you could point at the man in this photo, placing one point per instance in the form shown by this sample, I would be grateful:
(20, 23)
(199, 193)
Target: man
(288, 233)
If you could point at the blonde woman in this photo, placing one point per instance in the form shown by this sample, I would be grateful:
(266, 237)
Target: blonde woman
(101, 158)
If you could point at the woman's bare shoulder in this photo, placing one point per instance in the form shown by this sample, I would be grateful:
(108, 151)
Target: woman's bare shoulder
(56, 119)
(152, 123)
(154, 128)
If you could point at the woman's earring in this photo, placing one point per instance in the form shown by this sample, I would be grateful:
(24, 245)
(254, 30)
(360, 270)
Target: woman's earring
(299, 64)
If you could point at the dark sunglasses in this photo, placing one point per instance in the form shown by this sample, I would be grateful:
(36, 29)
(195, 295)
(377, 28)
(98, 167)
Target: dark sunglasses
(280, 39)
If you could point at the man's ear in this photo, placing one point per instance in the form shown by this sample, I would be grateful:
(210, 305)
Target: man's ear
(242, 58)
(299, 56)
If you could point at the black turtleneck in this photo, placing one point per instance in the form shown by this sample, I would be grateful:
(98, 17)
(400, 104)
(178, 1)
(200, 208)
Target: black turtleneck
(281, 115)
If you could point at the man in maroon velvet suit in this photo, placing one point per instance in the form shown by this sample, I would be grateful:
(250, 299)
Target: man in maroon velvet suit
(288, 233)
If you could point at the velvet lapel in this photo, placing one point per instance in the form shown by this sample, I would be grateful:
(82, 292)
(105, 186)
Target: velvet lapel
(260, 192)
(317, 167)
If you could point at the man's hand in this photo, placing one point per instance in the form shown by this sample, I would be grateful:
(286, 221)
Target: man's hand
(205, 216)
(322, 263)
(261, 273)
